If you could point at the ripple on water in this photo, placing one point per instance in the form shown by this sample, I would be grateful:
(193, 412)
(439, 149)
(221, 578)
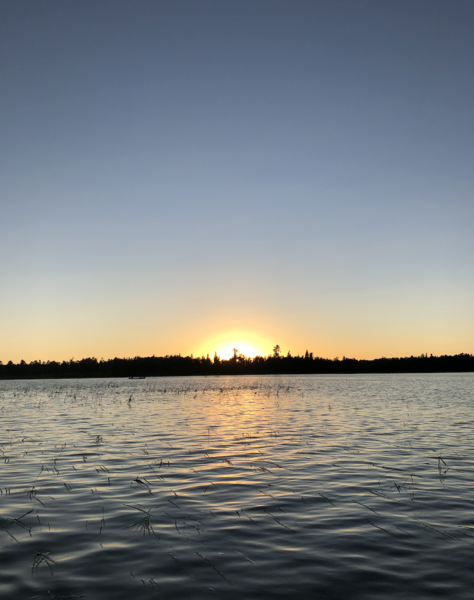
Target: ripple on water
(258, 487)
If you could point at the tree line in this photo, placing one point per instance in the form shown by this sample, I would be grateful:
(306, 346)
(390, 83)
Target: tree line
(238, 364)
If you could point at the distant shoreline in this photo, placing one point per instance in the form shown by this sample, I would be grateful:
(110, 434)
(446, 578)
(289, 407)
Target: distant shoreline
(176, 366)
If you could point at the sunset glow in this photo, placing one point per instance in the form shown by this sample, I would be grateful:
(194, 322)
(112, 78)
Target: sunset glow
(228, 351)
(248, 344)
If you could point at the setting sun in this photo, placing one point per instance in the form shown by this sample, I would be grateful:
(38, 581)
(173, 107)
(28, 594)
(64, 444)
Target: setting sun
(228, 351)
(248, 344)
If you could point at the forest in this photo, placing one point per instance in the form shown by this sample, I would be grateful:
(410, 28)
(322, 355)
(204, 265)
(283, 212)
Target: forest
(238, 364)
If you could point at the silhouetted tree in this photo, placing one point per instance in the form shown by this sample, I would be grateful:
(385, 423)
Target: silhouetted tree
(238, 364)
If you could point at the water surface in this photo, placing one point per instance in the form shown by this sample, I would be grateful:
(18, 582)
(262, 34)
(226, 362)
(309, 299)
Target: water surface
(238, 487)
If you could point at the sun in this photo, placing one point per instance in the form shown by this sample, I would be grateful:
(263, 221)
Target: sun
(247, 343)
(247, 350)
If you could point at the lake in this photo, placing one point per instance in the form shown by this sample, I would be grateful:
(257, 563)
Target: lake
(355, 486)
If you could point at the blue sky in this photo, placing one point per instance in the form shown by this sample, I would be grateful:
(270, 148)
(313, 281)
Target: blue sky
(180, 176)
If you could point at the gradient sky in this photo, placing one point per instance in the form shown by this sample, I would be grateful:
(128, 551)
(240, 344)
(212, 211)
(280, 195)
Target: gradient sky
(181, 176)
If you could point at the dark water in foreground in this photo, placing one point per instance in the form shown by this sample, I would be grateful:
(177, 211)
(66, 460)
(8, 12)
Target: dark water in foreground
(253, 487)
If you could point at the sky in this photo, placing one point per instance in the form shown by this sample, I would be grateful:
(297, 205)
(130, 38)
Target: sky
(189, 176)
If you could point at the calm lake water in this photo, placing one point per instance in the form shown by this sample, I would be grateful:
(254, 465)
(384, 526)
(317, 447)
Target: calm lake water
(238, 487)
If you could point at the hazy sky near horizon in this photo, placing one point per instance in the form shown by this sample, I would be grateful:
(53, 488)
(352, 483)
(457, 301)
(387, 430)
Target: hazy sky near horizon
(177, 176)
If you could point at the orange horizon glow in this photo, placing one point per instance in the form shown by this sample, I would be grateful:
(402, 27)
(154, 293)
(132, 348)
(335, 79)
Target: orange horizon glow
(108, 341)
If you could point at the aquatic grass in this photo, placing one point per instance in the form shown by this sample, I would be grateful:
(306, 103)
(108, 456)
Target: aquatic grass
(212, 565)
(18, 521)
(144, 524)
(40, 558)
